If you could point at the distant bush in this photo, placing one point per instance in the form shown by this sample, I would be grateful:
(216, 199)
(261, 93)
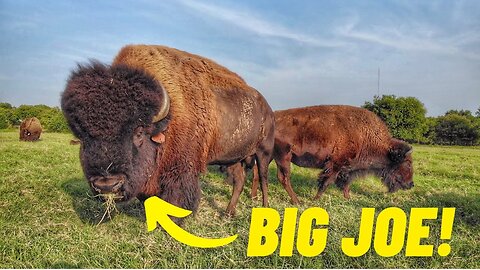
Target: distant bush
(27, 111)
(457, 128)
(404, 116)
(55, 121)
(52, 119)
(5, 115)
(430, 132)
(6, 105)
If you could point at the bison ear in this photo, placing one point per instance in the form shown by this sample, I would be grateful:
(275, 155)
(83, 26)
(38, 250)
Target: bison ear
(399, 150)
(159, 138)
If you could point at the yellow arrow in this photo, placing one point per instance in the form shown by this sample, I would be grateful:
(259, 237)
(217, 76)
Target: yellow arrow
(158, 210)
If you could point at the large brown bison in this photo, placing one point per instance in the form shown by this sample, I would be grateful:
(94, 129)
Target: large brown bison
(152, 121)
(346, 142)
(30, 129)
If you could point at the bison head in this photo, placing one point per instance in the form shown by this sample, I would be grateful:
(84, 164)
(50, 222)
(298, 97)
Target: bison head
(116, 112)
(399, 173)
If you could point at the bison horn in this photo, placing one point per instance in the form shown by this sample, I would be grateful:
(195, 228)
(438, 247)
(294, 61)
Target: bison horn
(164, 107)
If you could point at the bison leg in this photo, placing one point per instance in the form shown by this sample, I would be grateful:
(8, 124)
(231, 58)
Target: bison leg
(324, 180)
(283, 174)
(183, 192)
(255, 182)
(346, 192)
(229, 179)
(262, 165)
(343, 182)
(251, 163)
(238, 175)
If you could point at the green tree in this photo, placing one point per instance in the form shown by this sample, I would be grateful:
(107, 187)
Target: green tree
(5, 115)
(430, 133)
(52, 119)
(26, 111)
(404, 116)
(6, 105)
(467, 113)
(55, 121)
(457, 129)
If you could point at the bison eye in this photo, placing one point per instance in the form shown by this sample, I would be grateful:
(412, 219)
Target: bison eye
(138, 136)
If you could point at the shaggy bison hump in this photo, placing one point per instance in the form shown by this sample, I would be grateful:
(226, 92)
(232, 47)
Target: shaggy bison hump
(30, 129)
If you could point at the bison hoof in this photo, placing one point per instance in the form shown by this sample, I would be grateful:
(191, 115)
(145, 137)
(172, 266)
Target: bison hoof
(178, 221)
(295, 201)
(230, 213)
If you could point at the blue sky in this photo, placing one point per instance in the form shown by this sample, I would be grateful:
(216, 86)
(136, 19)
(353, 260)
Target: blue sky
(296, 53)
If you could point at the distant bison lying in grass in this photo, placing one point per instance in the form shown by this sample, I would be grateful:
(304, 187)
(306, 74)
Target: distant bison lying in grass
(30, 129)
(346, 142)
(152, 121)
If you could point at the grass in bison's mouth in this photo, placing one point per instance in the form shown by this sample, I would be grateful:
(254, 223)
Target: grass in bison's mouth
(109, 205)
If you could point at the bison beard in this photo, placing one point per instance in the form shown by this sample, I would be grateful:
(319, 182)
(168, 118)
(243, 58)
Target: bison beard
(214, 117)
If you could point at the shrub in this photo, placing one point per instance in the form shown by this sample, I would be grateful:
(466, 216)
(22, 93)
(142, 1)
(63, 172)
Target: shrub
(52, 119)
(457, 129)
(55, 121)
(5, 115)
(6, 105)
(404, 116)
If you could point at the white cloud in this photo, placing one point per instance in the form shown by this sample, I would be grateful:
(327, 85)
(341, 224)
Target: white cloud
(249, 22)
(415, 38)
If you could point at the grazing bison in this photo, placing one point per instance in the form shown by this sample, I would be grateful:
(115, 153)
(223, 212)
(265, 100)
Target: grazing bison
(152, 121)
(346, 142)
(30, 129)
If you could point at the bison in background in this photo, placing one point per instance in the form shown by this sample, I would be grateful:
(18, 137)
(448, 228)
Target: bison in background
(152, 121)
(30, 129)
(346, 142)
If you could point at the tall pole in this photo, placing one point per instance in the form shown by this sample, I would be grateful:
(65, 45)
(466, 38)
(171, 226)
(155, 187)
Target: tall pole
(378, 83)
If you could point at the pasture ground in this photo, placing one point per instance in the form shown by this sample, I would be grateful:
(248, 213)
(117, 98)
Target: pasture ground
(49, 219)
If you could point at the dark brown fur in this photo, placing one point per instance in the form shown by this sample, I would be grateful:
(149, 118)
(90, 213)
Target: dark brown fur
(74, 142)
(30, 129)
(214, 118)
(346, 142)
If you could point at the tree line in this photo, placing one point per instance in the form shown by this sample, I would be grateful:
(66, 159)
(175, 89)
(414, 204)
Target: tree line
(405, 117)
(51, 118)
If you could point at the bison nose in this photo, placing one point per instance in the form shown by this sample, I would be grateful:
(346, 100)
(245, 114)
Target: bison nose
(107, 184)
(412, 184)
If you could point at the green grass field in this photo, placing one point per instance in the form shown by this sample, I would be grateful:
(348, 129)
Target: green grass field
(49, 219)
